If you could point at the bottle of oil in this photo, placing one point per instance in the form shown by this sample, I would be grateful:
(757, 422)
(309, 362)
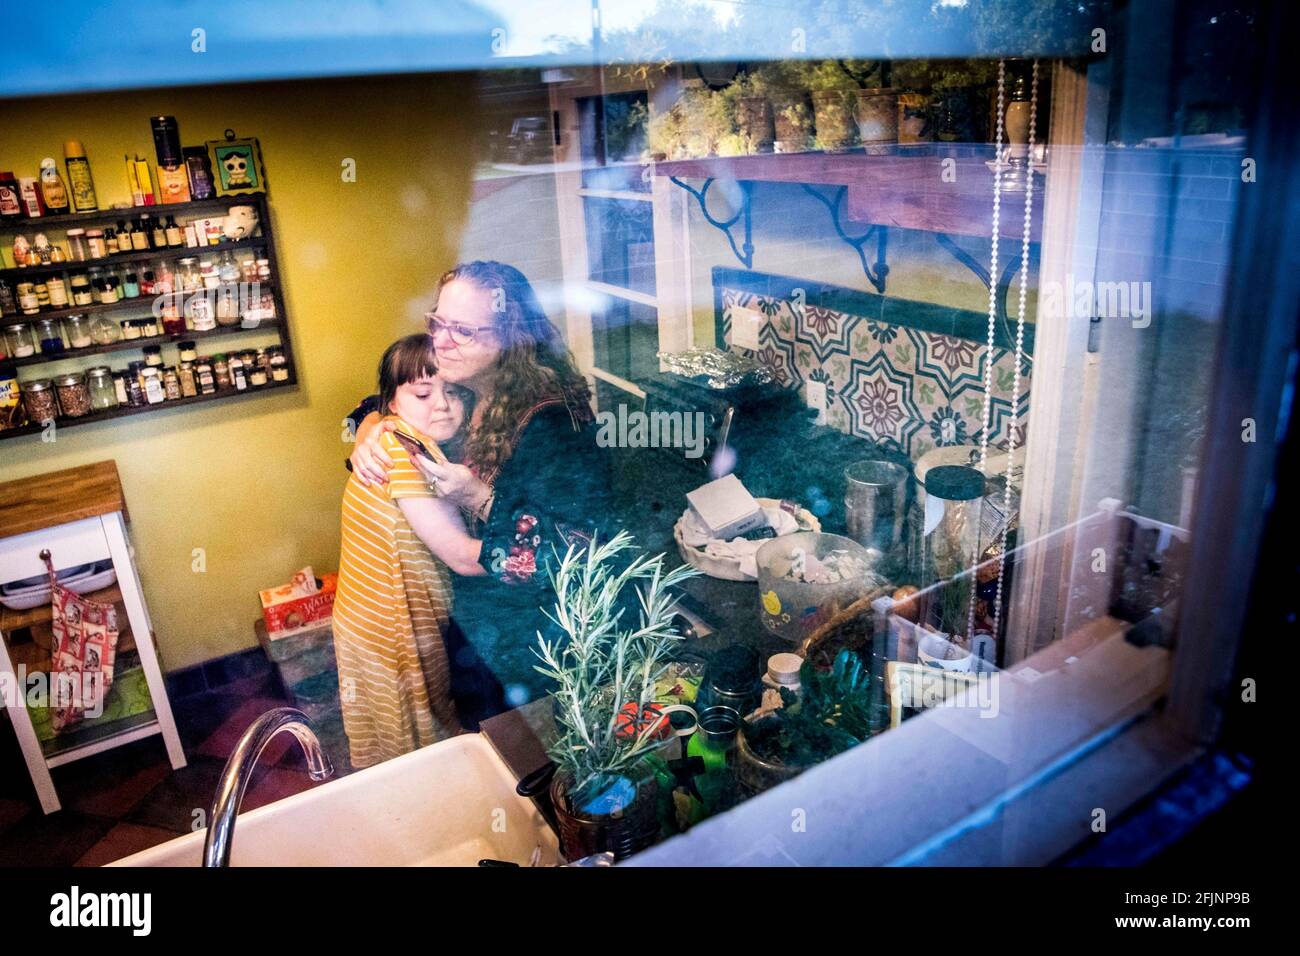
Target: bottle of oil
(52, 188)
(79, 178)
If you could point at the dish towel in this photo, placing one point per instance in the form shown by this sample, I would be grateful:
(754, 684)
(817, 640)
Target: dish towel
(84, 646)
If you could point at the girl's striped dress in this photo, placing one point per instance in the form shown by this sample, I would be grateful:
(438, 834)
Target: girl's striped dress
(390, 612)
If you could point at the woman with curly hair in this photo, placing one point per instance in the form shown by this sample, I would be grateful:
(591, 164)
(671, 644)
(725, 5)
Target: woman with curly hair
(532, 482)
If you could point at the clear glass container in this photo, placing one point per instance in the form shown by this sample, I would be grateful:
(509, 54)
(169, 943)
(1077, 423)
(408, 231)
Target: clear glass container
(50, 337)
(103, 393)
(77, 330)
(19, 341)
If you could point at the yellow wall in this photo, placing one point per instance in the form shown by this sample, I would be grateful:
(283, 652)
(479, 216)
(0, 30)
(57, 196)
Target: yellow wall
(256, 481)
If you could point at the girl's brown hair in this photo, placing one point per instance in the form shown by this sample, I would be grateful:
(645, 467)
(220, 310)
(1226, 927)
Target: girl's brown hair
(534, 364)
(408, 360)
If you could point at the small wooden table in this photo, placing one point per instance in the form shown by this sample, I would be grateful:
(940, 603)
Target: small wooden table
(79, 516)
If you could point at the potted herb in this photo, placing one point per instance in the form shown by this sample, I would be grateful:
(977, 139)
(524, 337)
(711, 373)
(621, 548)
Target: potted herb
(876, 102)
(752, 111)
(830, 713)
(706, 121)
(664, 134)
(618, 638)
(832, 90)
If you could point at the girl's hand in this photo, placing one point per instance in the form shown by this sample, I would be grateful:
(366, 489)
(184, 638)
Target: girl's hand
(454, 482)
(370, 463)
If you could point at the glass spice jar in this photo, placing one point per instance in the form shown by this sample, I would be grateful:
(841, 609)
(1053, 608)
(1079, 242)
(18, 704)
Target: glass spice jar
(38, 399)
(188, 351)
(82, 294)
(51, 339)
(130, 330)
(57, 290)
(189, 385)
(279, 367)
(153, 356)
(18, 341)
(205, 377)
(171, 384)
(257, 374)
(96, 248)
(77, 245)
(221, 371)
(103, 393)
(74, 395)
(77, 330)
(119, 388)
(134, 391)
(151, 383)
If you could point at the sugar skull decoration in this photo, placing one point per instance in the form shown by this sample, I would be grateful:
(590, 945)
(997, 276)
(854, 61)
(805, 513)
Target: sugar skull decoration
(237, 165)
(240, 222)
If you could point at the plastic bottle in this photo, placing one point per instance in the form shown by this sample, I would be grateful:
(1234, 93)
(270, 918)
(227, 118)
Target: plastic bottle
(52, 188)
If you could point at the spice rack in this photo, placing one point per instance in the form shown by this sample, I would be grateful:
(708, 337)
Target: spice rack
(262, 241)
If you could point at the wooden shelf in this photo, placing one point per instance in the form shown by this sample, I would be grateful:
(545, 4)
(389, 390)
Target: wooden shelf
(142, 304)
(12, 227)
(911, 187)
(130, 345)
(27, 273)
(124, 411)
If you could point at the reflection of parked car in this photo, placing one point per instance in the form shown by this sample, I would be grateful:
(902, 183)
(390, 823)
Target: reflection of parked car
(529, 140)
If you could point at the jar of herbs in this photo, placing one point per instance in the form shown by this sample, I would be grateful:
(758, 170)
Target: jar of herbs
(189, 385)
(96, 248)
(188, 351)
(279, 367)
(77, 330)
(257, 372)
(103, 393)
(77, 245)
(73, 394)
(153, 356)
(205, 377)
(221, 371)
(171, 384)
(38, 399)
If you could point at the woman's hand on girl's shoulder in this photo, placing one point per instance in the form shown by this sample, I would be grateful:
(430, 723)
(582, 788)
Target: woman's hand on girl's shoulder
(455, 482)
(370, 463)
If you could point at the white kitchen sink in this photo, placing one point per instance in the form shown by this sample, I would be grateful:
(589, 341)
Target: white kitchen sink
(451, 804)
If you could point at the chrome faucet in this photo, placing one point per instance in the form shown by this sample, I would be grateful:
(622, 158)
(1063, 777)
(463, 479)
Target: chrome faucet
(239, 768)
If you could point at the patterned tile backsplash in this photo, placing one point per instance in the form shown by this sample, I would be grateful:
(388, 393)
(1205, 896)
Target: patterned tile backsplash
(908, 375)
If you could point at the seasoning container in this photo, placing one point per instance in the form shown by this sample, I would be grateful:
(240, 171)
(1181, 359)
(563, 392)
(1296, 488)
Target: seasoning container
(80, 182)
(134, 391)
(148, 327)
(205, 377)
(172, 322)
(211, 278)
(104, 331)
(130, 330)
(198, 313)
(148, 285)
(42, 293)
(175, 236)
(257, 374)
(51, 339)
(57, 289)
(110, 241)
(79, 285)
(238, 378)
(119, 388)
(103, 393)
(19, 342)
(171, 384)
(188, 351)
(279, 367)
(77, 245)
(8, 304)
(131, 286)
(38, 399)
(221, 370)
(52, 189)
(96, 248)
(151, 383)
(28, 303)
(140, 237)
(109, 290)
(189, 385)
(74, 395)
(77, 330)
(153, 356)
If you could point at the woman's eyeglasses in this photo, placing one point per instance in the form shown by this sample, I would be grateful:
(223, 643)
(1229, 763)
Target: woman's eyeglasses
(459, 334)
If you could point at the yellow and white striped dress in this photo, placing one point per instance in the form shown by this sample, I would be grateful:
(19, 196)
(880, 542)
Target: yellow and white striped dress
(390, 612)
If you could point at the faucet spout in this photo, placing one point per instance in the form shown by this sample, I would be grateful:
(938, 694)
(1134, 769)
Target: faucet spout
(239, 769)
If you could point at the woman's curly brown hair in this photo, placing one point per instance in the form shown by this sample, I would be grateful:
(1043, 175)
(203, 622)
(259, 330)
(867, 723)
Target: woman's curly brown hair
(534, 364)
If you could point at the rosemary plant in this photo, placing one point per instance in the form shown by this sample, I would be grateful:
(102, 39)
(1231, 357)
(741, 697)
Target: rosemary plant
(604, 662)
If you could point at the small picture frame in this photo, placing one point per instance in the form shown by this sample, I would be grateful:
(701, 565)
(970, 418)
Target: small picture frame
(237, 165)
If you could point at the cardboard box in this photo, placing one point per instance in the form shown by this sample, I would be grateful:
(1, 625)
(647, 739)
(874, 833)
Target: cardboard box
(287, 611)
(726, 508)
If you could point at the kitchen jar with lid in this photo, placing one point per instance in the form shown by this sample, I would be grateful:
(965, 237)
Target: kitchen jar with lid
(152, 384)
(153, 355)
(51, 339)
(96, 248)
(19, 342)
(188, 351)
(103, 393)
(205, 377)
(279, 367)
(77, 245)
(77, 330)
(82, 292)
(74, 395)
(38, 399)
(171, 383)
(57, 290)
